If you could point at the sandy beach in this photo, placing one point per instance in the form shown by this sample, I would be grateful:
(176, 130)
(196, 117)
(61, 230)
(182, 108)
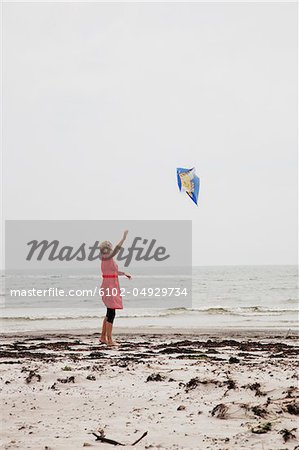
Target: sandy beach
(210, 390)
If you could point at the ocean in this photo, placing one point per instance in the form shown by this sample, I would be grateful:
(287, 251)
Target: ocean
(253, 297)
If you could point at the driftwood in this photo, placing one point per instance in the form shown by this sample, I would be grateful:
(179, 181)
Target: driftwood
(102, 438)
(138, 440)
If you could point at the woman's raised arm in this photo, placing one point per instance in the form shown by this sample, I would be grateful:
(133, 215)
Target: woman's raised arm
(118, 246)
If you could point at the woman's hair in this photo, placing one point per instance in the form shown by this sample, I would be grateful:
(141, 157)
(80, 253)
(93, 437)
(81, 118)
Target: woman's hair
(104, 246)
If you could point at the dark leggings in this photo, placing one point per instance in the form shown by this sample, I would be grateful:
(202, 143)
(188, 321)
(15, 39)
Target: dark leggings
(110, 315)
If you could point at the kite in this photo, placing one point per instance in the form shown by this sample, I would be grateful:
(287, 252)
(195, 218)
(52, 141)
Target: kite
(188, 182)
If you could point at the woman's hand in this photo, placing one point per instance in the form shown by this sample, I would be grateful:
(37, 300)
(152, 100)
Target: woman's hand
(128, 276)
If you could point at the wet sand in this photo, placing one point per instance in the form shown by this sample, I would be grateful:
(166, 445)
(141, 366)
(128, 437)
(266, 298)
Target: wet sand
(209, 390)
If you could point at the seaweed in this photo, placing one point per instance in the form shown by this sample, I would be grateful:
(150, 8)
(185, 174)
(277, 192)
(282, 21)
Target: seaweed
(262, 428)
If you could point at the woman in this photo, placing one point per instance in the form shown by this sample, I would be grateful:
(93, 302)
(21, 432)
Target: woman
(110, 288)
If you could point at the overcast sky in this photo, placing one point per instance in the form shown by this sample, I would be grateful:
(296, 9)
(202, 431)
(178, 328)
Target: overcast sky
(103, 101)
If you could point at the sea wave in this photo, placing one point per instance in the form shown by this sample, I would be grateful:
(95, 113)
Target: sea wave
(236, 310)
(33, 318)
(216, 310)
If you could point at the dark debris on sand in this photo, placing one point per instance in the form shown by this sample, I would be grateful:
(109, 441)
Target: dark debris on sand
(220, 411)
(288, 434)
(262, 428)
(44, 349)
(259, 411)
(293, 408)
(33, 375)
(155, 377)
(255, 387)
(70, 379)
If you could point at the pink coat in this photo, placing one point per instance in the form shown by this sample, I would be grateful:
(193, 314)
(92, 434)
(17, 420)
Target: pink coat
(110, 284)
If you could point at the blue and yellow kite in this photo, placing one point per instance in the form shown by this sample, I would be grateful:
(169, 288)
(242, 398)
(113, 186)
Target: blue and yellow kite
(188, 182)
